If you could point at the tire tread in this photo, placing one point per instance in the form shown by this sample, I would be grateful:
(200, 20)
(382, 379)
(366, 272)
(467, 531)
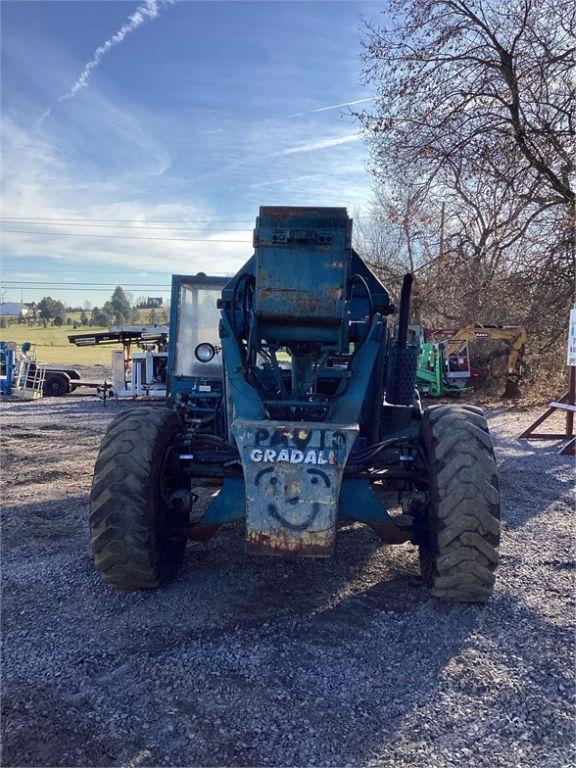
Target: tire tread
(124, 543)
(460, 563)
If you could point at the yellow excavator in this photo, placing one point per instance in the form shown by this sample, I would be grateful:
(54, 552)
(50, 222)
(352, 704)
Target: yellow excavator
(515, 334)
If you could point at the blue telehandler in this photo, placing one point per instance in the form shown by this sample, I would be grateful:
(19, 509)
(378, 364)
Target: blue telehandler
(288, 393)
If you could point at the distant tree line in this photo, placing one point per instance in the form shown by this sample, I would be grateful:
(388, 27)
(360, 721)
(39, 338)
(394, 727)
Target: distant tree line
(118, 310)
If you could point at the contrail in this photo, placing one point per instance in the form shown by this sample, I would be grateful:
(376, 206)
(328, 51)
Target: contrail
(320, 144)
(146, 12)
(334, 106)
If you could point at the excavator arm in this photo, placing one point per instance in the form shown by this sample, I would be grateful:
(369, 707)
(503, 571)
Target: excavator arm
(515, 334)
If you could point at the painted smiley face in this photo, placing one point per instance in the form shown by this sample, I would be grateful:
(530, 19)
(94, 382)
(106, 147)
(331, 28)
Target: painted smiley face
(289, 493)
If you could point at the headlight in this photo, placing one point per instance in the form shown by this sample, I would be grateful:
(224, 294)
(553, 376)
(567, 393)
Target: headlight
(205, 352)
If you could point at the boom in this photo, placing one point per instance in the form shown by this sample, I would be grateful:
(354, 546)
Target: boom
(515, 334)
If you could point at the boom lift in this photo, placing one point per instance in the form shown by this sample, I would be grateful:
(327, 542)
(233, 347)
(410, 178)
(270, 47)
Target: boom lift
(23, 376)
(287, 393)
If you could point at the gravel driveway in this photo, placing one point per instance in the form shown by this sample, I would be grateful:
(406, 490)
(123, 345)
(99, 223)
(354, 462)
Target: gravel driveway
(255, 662)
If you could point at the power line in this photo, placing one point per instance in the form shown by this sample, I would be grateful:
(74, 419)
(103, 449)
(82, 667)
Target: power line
(31, 222)
(125, 237)
(134, 273)
(69, 269)
(123, 221)
(138, 222)
(161, 288)
(99, 268)
(16, 283)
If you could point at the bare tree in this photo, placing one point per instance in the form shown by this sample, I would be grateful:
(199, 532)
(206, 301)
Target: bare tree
(475, 80)
(399, 235)
(475, 114)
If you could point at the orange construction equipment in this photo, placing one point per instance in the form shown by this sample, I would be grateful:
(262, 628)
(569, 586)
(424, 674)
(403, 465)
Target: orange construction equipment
(515, 334)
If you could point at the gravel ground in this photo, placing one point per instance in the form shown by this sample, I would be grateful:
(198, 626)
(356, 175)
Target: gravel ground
(256, 662)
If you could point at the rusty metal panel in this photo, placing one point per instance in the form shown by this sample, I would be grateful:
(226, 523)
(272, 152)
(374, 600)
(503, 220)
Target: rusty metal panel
(293, 473)
(301, 268)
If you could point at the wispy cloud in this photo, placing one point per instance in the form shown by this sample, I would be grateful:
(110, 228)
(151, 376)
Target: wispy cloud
(45, 186)
(321, 144)
(146, 12)
(283, 180)
(332, 106)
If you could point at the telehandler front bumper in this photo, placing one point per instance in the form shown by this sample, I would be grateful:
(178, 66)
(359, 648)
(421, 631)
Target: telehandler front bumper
(293, 474)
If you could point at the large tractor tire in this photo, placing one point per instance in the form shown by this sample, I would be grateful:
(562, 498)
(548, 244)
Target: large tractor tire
(138, 541)
(459, 549)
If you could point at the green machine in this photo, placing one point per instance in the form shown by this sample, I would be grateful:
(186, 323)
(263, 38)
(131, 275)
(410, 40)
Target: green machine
(442, 371)
(439, 375)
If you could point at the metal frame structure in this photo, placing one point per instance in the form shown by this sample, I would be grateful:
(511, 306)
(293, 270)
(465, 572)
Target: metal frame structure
(566, 403)
(28, 379)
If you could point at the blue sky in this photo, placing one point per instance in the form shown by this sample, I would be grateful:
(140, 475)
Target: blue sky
(198, 115)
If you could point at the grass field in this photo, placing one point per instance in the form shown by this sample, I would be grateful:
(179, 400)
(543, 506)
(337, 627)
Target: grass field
(52, 345)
